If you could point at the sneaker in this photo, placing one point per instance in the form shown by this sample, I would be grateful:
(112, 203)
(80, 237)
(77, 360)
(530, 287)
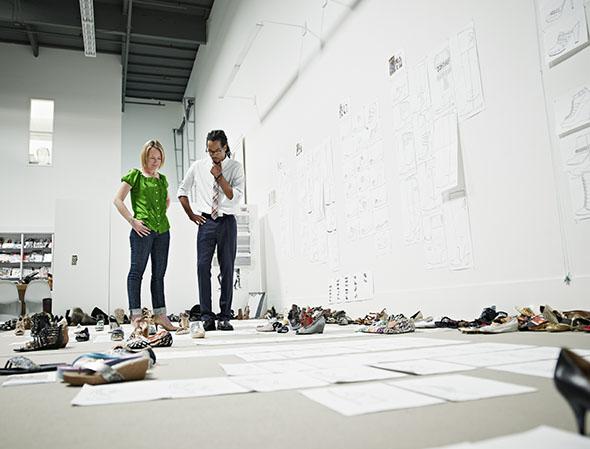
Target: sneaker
(99, 326)
(197, 330)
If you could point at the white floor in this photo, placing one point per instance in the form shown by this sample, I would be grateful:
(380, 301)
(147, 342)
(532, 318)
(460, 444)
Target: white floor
(259, 418)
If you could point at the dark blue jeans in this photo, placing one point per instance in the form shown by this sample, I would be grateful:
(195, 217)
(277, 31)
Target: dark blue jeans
(156, 246)
(222, 233)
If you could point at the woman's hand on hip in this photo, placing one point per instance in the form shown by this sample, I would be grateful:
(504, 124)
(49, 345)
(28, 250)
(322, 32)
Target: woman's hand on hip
(141, 229)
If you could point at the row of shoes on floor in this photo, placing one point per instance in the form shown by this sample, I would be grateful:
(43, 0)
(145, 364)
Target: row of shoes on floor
(304, 321)
(547, 319)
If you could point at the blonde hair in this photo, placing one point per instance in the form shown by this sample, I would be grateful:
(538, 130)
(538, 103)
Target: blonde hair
(146, 149)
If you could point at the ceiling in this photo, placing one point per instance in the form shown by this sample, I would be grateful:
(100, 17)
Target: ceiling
(157, 40)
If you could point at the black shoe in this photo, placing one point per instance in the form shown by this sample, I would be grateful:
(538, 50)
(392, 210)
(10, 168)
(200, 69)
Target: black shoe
(572, 379)
(209, 325)
(224, 325)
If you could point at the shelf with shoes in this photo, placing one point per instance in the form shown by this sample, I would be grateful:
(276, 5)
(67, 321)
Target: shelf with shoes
(22, 254)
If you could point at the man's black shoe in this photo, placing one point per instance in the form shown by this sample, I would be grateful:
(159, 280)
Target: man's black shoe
(224, 325)
(209, 325)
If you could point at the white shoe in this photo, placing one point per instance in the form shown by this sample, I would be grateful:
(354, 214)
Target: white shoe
(197, 330)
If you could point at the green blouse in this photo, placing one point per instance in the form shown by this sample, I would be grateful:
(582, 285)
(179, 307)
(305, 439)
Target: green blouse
(148, 198)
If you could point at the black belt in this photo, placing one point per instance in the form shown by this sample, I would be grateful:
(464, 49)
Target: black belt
(210, 218)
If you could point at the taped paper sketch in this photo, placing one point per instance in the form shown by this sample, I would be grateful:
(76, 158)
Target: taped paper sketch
(420, 89)
(442, 88)
(406, 151)
(572, 111)
(399, 77)
(402, 114)
(576, 152)
(445, 146)
(411, 213)
(435, 248)
(458, 234)
(564, 28)
(430, 197)
(468, 89)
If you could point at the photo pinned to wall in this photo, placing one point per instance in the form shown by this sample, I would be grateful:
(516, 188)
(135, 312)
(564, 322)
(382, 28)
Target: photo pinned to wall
(564, 29)
(575, 151)
(572, 111)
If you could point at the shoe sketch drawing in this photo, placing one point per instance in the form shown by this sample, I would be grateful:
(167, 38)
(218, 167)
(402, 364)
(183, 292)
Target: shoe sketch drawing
(565, 40)
(579, 108)
(555, 13)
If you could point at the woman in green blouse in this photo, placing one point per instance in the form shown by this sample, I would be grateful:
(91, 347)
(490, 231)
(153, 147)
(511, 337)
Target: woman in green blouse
(150, 235)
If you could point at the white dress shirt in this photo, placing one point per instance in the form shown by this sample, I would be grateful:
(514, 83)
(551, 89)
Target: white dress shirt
(199, 175)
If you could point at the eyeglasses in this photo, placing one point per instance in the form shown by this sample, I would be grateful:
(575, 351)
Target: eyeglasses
(213, 152)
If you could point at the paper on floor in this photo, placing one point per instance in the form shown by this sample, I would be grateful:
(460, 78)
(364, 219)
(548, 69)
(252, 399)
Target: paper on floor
(150, 390)
(457, 387)
(276, 382)
(30, 378)
(423, 367)
(353, 374)
(351, 400)
(542, 437)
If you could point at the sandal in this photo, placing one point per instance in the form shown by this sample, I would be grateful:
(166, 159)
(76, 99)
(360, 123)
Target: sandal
(51, 337)
(98, 372)
(23, 365)
(161, 339)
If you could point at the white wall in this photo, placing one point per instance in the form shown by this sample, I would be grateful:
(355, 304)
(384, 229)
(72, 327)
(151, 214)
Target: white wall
(71, 196)
(141, 123)
(87, 131)
(512, 184)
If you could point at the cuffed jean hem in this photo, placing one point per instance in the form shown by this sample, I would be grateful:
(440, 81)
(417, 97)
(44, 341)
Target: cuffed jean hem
(160, 311)
(135, 312)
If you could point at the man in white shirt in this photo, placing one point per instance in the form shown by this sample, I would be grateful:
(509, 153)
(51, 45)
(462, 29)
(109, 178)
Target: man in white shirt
(219, 188)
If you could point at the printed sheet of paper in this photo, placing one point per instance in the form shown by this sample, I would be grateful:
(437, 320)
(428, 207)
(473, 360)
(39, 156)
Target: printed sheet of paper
(276, 382)
(423, 367)
(564, 28)
(506, 357)
(155, 389)
(575, 156)
(352, 400)
(29, 379)
(458, 387)
(350, 374)
(542, 437)
(572, 110)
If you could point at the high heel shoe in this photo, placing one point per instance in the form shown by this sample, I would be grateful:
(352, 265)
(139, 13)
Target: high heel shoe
(316, 327)
(572, 380)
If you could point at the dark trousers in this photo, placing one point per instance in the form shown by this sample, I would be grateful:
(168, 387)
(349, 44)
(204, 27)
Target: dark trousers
(222, 233)
(156, 246)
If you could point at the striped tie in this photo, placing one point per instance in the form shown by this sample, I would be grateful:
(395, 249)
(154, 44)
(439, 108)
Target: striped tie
(215, 205)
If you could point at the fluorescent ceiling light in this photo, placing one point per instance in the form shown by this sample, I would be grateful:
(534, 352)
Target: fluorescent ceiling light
(87, 16)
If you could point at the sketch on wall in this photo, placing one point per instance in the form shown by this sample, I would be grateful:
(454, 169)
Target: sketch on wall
(363, 173)
(564, 28)
(576, 164)
(444, 89)
(468, 91)
(572, 111)
(458, 234)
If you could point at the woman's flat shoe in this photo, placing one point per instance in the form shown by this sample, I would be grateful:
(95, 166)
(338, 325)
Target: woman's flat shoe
(82, 335)
(572, 380)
